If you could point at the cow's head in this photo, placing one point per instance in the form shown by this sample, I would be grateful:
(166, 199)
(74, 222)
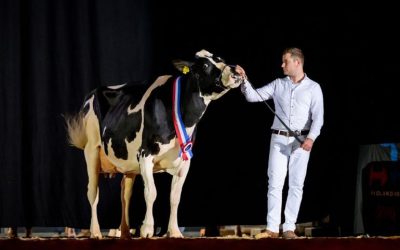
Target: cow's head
(213, 76)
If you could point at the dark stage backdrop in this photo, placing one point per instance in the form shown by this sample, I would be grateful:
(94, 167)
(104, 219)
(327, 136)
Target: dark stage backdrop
(54, 52)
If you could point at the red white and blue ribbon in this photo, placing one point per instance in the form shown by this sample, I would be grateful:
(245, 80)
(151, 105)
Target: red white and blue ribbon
(183, 138)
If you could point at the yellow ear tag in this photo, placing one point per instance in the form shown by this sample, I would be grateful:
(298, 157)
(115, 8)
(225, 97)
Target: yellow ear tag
(185, 69)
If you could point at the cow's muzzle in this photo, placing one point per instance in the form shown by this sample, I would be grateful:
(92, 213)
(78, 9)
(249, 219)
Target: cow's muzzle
(234, 75)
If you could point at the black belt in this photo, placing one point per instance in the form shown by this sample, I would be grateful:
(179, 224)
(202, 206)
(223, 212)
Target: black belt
(290, 134)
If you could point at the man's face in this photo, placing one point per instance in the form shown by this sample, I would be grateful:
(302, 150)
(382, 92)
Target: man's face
(289, 64)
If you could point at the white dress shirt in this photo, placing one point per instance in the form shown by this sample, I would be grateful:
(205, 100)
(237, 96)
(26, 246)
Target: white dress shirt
(299, 105)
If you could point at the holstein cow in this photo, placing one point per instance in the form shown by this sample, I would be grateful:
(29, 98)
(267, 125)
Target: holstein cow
(135, 130)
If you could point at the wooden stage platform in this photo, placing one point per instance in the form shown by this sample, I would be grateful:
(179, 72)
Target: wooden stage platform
(203, 243)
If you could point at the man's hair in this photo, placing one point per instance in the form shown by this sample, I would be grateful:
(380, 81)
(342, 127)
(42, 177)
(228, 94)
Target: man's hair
(295, 52)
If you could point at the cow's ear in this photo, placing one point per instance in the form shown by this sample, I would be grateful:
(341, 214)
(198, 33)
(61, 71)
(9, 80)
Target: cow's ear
(182, 66)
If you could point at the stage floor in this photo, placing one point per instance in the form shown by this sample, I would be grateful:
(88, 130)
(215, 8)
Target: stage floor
(47, 238)
(201, 243)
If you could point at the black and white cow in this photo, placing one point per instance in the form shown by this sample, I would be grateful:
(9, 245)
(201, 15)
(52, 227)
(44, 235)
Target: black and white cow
(142, 130)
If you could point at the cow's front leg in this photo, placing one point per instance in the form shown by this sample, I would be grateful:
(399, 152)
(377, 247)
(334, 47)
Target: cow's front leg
(175, 197)
(150, 194)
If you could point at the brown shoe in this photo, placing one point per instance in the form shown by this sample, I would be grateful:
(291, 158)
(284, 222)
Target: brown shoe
(289, 235)
(267, 234)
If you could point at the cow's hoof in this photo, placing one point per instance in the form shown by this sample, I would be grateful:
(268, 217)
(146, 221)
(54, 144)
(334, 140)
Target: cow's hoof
(174, 232)
(146, 231)
(113, 233)
(70, 232)
(174, 235)
(125, 235)
(84, 233)
(96, 236)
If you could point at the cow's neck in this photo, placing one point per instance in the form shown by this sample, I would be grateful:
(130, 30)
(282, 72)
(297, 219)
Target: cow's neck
(192, 104)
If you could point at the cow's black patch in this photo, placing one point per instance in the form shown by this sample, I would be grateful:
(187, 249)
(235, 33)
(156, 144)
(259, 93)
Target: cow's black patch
(117, 126)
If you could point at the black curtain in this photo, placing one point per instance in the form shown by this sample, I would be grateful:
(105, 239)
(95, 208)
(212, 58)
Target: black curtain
(51, 54)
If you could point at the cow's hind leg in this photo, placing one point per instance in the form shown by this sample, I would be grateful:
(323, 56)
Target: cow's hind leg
(126, 194)
(93, 168)
(176, 190)
(150, 194)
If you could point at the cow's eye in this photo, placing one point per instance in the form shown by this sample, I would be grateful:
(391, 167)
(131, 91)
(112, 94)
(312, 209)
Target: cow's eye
(205, 66)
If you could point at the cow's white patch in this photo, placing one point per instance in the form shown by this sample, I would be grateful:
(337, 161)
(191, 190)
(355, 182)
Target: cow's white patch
(204, 53)
(116, 86)
(160, 81)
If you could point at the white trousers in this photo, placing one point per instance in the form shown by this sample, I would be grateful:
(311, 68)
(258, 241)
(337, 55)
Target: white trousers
(285, 156)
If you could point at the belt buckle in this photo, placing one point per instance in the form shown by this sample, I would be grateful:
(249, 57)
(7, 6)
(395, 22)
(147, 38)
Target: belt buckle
(297, 132)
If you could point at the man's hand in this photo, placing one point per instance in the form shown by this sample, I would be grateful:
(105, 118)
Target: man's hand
(307, 144)
(240, 71)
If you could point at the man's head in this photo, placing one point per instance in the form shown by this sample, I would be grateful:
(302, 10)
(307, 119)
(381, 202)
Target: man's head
(292, 61)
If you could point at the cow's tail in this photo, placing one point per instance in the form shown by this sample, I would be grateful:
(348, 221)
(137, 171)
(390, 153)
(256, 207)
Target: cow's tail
(76, 130)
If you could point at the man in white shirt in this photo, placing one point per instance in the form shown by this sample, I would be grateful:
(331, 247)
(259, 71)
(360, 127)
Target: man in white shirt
(299, 104)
